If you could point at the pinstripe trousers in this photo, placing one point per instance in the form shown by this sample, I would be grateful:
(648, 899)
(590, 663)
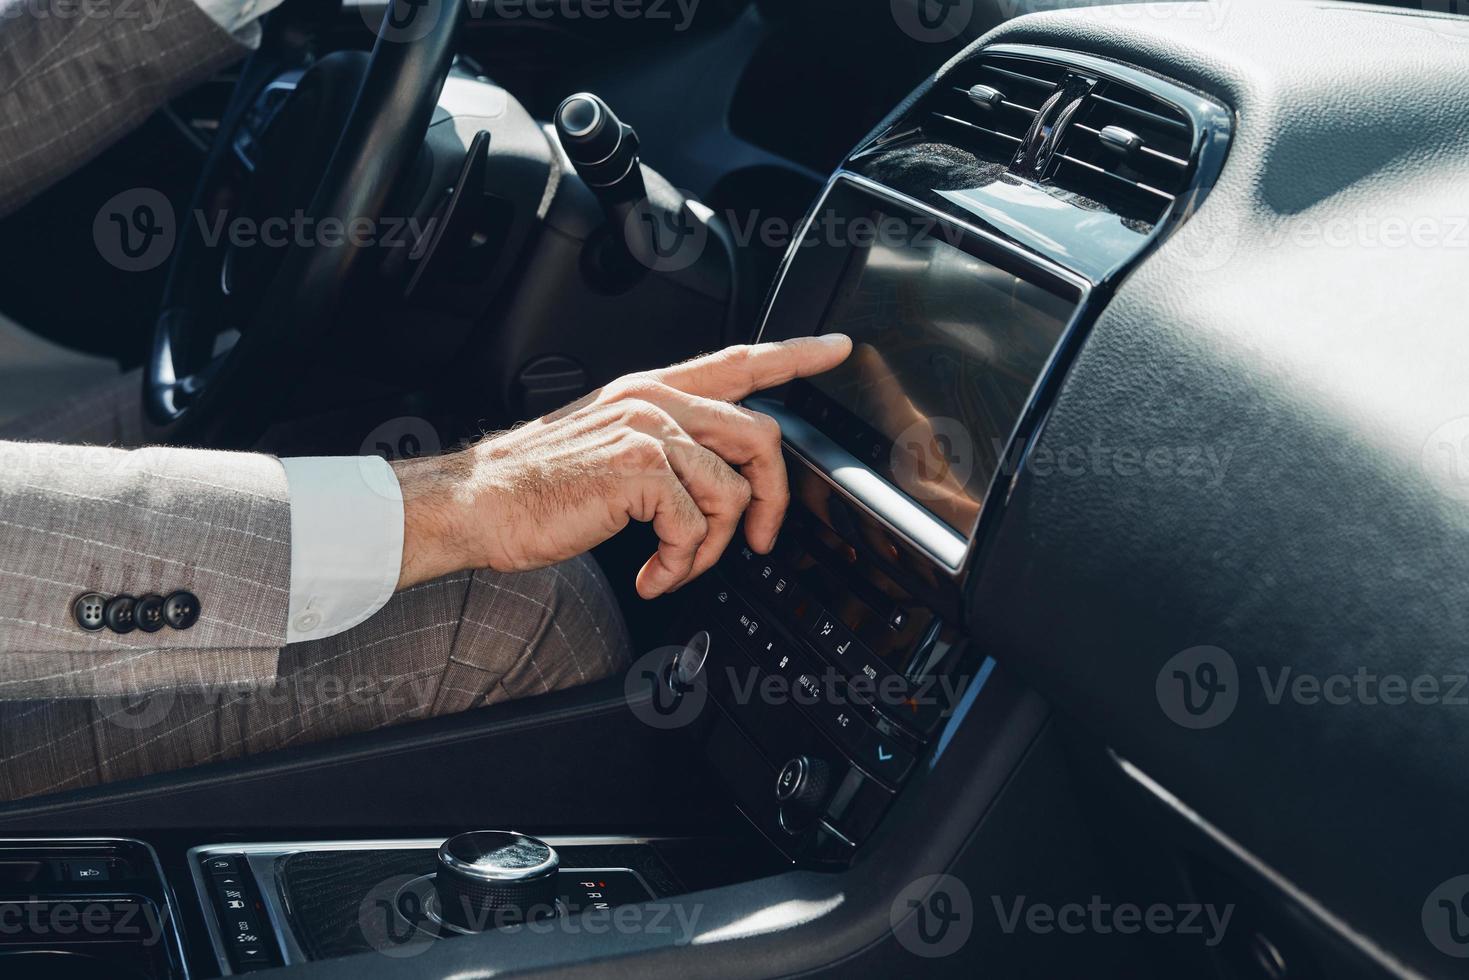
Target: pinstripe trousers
(464, 641)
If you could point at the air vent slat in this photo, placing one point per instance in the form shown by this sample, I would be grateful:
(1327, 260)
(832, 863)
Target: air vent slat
(987, 107)
(1127, 150)
(1163, 195)
(969, 125)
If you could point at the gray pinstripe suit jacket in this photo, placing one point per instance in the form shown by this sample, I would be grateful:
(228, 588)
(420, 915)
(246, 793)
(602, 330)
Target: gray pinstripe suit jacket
(82, 519)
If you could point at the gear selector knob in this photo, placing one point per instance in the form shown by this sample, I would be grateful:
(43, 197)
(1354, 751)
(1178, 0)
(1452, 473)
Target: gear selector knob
(491, 878)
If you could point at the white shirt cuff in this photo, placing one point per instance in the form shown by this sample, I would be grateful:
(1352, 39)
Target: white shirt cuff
(346, 542)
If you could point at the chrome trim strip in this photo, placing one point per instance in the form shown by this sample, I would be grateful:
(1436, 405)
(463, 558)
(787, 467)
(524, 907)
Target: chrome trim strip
(261, 858)
(1236, 850)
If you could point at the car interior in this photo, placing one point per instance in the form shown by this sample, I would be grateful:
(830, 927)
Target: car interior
(1076, 655)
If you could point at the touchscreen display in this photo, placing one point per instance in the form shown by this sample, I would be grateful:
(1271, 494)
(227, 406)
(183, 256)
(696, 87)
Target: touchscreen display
(947, 350)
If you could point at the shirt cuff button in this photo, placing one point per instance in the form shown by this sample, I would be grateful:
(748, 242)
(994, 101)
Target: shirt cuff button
(307, 621)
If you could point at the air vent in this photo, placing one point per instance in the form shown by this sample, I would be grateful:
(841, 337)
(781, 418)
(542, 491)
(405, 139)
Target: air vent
(987, 107)
(1127, 150)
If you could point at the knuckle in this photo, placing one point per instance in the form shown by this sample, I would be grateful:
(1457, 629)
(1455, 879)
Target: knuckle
(768, 428)
(644, 415)
(640, 450)
(637, 385)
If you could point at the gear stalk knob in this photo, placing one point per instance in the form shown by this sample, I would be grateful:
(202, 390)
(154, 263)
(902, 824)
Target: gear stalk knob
(491, 878)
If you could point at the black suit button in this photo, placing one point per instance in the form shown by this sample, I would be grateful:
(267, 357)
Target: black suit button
(88, 611)
(119, 614)
(181, 610)
(149, 613)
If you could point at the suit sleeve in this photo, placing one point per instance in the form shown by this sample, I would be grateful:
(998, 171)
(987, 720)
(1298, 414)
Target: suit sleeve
(71, 85)
(87, 521)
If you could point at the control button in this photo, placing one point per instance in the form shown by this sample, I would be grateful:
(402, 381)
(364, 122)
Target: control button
(88, 611)
(832, 638)
(149, 613)
(118, 614)
(251, 953)
(181, 610)
(222, 865)
(882, 756)
(87, 871)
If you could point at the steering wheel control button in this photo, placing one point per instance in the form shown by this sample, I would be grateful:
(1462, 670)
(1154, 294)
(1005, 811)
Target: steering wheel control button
(89, 611)
(491, 878)
(149, 613)
(181, 610)
(119, 614)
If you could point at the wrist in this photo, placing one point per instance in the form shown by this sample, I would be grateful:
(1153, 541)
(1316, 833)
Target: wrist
(448, 518)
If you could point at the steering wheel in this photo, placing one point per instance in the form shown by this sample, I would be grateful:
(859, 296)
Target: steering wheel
(240, 320)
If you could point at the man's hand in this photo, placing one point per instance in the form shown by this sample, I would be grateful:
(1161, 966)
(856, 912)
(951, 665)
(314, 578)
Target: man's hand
(666, 446)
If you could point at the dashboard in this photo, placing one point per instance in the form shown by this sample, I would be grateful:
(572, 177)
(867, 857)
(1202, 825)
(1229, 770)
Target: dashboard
(1118, 409)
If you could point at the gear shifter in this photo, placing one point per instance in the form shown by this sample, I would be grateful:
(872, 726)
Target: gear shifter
(604, 151)
(491, 878)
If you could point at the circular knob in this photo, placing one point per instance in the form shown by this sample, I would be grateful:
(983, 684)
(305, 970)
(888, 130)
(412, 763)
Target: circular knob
(492, 878)
(588, 128)
(688, 663)
(800, 788)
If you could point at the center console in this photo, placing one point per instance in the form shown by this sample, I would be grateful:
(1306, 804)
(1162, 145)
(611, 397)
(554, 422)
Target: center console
(965, 247)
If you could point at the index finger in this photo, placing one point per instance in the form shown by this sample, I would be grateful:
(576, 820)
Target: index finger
(735, 372)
